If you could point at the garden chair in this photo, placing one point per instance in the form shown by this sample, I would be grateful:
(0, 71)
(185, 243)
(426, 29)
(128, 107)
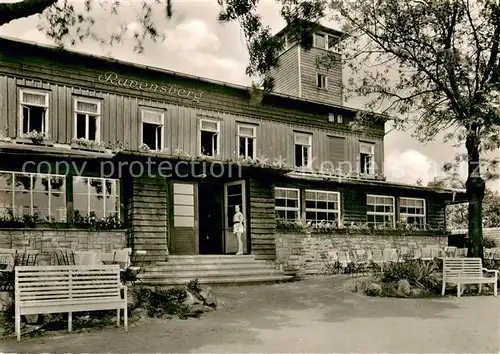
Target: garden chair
(26, 258)
(122, 257)
(7, 259)
(450, 251)
(426, 254)
(361, 258)
(436, 252)
(65, 256)
(390, 255)
(85, 258)
(461, 252)
(343, 260)
(377, 260)
(330, 261)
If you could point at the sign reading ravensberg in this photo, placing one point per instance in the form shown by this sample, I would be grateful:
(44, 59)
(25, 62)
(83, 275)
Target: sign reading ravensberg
(172, 90)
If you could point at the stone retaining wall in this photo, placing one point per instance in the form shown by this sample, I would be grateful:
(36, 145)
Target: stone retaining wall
(48, 240)
(302, 253)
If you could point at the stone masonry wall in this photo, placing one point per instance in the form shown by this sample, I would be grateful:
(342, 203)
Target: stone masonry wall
(298, 252)
(48, 240)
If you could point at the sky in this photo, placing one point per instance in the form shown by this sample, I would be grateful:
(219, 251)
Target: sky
(195, 43)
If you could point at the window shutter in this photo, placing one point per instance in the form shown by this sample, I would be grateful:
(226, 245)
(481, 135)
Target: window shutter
(87, 107)
(37, 99)
(152, 117)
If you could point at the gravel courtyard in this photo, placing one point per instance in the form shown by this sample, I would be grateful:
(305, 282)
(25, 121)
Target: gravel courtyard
(316, 315)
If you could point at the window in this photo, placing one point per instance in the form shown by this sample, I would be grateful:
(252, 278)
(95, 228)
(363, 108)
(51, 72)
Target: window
(183, 205)
(322, 206)
(209, 137)
(412, 211)
(286, 203)
(303, 144)
(87, 119)
(34, 111)
(320, 40)
(98, 195)
(340, 119)
(380, 211)
(152, 128)
(366, 158)
(41, 195)
(326, 41)
(331, 117)
(322, 81)
(246, 141)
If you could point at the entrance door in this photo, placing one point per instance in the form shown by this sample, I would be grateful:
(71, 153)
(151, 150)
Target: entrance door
(184, 223)
(210, 204)
(234, 194)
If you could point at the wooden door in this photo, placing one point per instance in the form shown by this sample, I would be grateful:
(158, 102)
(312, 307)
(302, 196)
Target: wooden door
(184, 218)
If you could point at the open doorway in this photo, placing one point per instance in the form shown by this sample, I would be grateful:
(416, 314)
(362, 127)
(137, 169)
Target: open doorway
(210, 208)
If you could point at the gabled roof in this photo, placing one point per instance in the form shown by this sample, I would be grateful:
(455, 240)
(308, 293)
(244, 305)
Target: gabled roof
(110, 60)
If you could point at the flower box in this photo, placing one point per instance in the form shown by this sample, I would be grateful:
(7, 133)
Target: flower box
(33, 141)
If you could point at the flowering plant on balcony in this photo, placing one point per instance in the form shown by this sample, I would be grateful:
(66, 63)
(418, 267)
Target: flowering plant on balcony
(89, 144)
(144, 148)
(92, 222)
(37, 137)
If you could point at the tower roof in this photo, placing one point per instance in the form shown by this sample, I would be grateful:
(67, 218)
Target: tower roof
(317, 26)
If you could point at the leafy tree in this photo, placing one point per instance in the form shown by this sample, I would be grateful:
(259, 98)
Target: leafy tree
(65, 23)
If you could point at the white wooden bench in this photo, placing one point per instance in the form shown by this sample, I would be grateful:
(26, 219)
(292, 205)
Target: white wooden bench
(60, 289)
(466, 271)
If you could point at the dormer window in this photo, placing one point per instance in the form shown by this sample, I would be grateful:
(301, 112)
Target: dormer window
(326, 41)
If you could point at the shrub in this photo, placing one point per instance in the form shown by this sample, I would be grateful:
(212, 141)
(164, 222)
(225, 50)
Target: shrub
(488, 242)
(417, 272)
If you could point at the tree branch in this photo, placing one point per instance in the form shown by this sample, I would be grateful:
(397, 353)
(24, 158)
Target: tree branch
(25, 8)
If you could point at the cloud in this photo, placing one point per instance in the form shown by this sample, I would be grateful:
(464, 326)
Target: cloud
(192, 36)
(409, 166)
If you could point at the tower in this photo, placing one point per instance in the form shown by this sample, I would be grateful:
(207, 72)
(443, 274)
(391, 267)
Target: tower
(299, 74)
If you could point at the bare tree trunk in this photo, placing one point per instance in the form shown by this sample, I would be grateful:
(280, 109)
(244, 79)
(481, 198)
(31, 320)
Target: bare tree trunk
(475, 192)
(20, 9)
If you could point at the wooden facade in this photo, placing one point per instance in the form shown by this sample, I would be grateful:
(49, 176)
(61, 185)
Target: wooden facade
(189, 213)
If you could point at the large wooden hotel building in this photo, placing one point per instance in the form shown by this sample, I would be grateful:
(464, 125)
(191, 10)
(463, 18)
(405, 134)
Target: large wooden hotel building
(159, 159)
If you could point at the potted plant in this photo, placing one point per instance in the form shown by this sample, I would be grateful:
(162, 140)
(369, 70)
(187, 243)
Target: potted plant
(37, 137)
(86, 144)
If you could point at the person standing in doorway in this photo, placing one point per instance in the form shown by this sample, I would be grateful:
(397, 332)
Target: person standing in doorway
(238, 228)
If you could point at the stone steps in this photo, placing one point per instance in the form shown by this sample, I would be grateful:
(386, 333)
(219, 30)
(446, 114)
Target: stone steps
(212, 269)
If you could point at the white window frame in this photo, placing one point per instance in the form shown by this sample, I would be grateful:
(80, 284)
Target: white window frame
(217, 135)
(325, 87)
(371, 170)
(46, 106)
(245, 136)
(104, 194)
(309, 149)
(393, 214)
(49, 192)
(162, 128)
(340, 119)
(87, 114)
(286, 208)
(424, 215)
(338, 211)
